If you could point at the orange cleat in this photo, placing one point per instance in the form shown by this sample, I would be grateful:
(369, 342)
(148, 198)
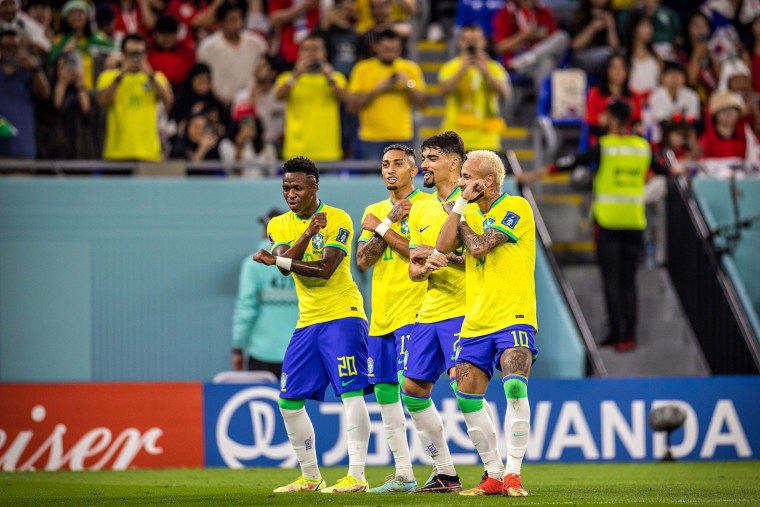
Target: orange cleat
(512, 486)
(487, 486)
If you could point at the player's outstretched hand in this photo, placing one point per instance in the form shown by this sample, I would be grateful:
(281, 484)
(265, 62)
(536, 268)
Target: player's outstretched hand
(421, 253)
(400, 210)
(370, 223)
(436, 261)
(264, 257)
(473, 189)
(318, 222)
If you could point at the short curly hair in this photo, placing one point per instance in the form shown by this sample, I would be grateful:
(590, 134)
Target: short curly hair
(301, 165)
(448, 142)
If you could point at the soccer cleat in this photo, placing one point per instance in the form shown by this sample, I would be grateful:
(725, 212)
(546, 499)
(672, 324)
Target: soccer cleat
(432, 475)
(487, 486)
(512, 486)
(394, 485)
(302, 484)
(348, 484)
(441, 484)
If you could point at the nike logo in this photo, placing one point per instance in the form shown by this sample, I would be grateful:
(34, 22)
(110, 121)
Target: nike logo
(424, 228)
(344, 384)
(519, 435)
(349, 429)
(400, 361)
(291, 434)
(476, 444)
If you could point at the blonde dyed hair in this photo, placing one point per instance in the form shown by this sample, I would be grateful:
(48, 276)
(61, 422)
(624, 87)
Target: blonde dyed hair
(490, 163)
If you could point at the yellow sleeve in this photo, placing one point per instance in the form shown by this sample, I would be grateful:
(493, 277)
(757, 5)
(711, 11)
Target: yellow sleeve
(448, 70)
(497, 70)
(513, 219)
(418, 76)
(366, 235)
(355, 83)
(340, 80)
(275, 234)
(339, 231)
(161, 78)
(281, 79)
(105, 79)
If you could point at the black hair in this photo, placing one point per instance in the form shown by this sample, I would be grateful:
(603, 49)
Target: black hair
(65, 28)
(635, 17)
(387, 34)
(136, 37)
(104, 15)
(448, 142)
(8, 33)
(604, 82)
(167, 24)
(301, 165)
(226, 8)
(619, 110)
(409, 152)
(672, 65)
(688, 45)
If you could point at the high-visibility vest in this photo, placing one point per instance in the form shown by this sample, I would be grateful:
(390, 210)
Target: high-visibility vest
(619, 182)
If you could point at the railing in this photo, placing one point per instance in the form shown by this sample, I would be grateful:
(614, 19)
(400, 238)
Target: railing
(594, 363)
(706, 292)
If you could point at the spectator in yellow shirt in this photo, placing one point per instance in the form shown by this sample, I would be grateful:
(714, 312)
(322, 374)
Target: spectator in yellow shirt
(312, 93)
(472, 84)
(383, 91)
(131, 95)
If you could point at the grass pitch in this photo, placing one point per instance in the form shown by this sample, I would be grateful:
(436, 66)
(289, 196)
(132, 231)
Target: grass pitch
(726, 483)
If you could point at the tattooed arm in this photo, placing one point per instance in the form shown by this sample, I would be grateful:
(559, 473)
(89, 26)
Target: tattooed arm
(455, 260)
(480, 244)
(368, 252)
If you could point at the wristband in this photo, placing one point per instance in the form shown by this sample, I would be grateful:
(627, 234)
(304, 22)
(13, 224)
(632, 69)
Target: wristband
(435, 251)
(387, 221)
(462, 218)
(459, 205)
(283, 262)
(381, 229)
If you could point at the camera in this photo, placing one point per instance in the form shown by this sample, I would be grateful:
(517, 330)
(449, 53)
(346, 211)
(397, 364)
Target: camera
(471, 49)
(315, 66)
(70, 60)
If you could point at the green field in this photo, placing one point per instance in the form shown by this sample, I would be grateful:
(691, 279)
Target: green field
(727, 483)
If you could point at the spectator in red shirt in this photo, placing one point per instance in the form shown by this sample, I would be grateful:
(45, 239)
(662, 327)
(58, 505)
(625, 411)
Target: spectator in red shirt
(613, 86)
(193, 15)
(725, 140)
(166, 53)
(526, 35)
(294, 20)
(132, 16)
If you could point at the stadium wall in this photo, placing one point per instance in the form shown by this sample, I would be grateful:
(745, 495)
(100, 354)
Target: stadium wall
(111, 279)
(169, 425)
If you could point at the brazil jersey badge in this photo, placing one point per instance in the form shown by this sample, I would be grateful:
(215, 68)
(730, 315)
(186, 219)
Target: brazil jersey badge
(317, 242)
(370, 366)
(487, 223)
(511, 219)
(283, 381)
(405, 226)
(342, 236)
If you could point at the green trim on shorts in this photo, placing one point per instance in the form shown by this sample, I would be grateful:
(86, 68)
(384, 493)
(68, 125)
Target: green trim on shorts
(291, 404)
(352, 394)
(387, 393)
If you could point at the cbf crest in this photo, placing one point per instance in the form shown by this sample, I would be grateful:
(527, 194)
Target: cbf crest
(487, 223)
(370, 366)
(405, 226)
(283, 381)
(317, 242)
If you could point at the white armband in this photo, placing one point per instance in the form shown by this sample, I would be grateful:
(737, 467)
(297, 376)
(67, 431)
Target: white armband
(459, 205)
(381, 229)
(283, 262)
(435, 251)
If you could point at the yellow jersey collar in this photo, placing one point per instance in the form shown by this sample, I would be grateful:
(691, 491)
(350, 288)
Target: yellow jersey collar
(453, 195)
(501, 197)
(414, 192)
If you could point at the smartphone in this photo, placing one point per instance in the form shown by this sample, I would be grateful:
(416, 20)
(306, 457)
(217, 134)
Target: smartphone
(471, 49)
(315, 66)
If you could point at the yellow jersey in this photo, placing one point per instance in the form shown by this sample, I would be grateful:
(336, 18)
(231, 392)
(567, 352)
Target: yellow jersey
(312, 117)
(396, 299)
(389, 115)
(321, 300)
(445, 287)
(365, 20)
(472, 104)
(131, 119)
(501, 288)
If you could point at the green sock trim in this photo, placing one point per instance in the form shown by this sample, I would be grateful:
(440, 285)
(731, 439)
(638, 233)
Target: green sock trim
(291, 404)
(400, 375)
(351, 394)
(515, 388)
(469, 405)
(387, 393)
(416, 404)
(453, 384)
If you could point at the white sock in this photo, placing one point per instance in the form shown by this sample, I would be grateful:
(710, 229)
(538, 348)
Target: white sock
(301, 435)
(518, 428)
(394, 426)
(489, 410)
(429, 427)
(483, 435)
(357, 421)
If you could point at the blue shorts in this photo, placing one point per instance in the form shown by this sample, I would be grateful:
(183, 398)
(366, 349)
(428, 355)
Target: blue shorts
(485, 351)
(334, 352)
(432, 349)
(387, 355)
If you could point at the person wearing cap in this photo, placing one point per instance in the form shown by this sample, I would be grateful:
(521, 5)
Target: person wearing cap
(726, 138)
(622, 161)
(79, 42)
(266, 312)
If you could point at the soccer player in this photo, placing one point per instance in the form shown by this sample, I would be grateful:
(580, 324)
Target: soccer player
(395, 302)
(313, 241)
(432, 346)
(500, 316)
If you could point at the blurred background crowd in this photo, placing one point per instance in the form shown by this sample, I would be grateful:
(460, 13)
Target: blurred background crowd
(261, 80)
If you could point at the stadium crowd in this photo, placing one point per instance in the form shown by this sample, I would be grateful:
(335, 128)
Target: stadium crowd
(263, 80)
